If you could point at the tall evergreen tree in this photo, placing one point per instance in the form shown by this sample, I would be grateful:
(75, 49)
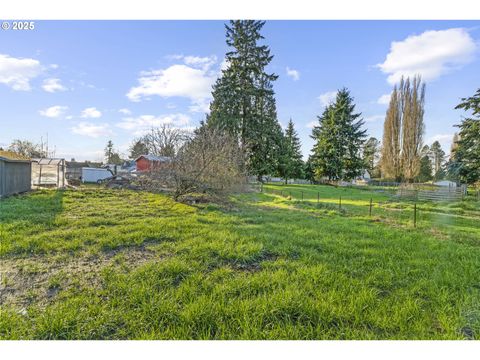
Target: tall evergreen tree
(425, 173)
(308, 170)
(438, 160)
(339, 140)
(138, 148)
(243, 98)
(328, 152)
(291, 163)
(467, 153)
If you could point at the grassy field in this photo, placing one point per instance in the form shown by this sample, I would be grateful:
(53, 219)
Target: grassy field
(118, 264)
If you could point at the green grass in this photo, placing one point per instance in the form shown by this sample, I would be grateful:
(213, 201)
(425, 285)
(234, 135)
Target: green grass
(118, 264)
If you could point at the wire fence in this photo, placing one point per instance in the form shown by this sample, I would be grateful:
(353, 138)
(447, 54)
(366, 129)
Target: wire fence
(383, 207)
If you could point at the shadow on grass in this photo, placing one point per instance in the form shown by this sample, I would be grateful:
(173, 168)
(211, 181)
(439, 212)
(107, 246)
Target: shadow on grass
(38, 207)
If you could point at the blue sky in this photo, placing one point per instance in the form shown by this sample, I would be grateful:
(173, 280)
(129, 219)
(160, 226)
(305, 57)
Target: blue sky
(85, 82)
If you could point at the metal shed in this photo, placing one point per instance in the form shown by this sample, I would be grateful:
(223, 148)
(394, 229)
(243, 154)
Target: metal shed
(15, 176)
(48, 172)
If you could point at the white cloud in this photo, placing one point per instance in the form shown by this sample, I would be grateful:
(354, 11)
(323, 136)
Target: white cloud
(312, 124)
(202, 62)
(92, 130)
(444, 139)
(192, 80)
(141, 124)
(53, 85)
(327, 98)
(384, 99)
(125, 111)
(200, 106)
(91, 112)
(54, 111)
(430, 54)
(17, 73)
(374, 118)
(294, 74)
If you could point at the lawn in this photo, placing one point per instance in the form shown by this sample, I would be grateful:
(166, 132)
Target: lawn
(119, 264)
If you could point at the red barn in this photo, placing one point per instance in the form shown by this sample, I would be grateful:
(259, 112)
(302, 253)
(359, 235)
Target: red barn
(150, 162)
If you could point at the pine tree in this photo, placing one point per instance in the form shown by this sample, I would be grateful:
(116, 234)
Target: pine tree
(467, 153)
(438, 159)
(291, 164)
(425, 173)
(138, 148)
(339, 140)
(243, 98)
(308, 170)
(328, 151)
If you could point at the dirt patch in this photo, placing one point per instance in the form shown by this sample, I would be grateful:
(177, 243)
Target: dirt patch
(254, 264)
(39, 280)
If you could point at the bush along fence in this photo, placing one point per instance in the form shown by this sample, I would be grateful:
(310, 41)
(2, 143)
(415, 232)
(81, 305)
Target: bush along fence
(408, 213)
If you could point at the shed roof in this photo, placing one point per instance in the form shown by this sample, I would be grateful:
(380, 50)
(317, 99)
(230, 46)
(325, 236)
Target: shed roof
(48, 161)
(154, 158)
(11, 156)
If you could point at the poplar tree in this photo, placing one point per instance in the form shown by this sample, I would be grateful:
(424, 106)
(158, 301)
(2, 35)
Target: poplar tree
(403, 131)
(413, 93)
(391, 144)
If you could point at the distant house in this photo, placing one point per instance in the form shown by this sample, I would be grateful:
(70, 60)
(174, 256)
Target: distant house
(446, 183)
(151, 162)
(15, 173)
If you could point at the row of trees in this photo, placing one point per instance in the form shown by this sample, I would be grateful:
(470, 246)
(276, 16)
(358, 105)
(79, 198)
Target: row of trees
(243, 118)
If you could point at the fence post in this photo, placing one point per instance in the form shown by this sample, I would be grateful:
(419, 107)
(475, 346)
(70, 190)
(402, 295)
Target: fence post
(290, 195)
(340, 203)
(318, 197)
(415, 215)
(302, 195)
(370, 211)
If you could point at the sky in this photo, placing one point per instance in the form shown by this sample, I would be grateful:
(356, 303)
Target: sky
(85, 82)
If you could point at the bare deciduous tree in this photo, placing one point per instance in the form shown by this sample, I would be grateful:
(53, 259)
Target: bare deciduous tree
(164, 140)
(403, 130)
(211, 161)
(413, 94)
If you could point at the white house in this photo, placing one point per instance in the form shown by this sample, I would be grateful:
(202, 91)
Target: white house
(446, 183)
